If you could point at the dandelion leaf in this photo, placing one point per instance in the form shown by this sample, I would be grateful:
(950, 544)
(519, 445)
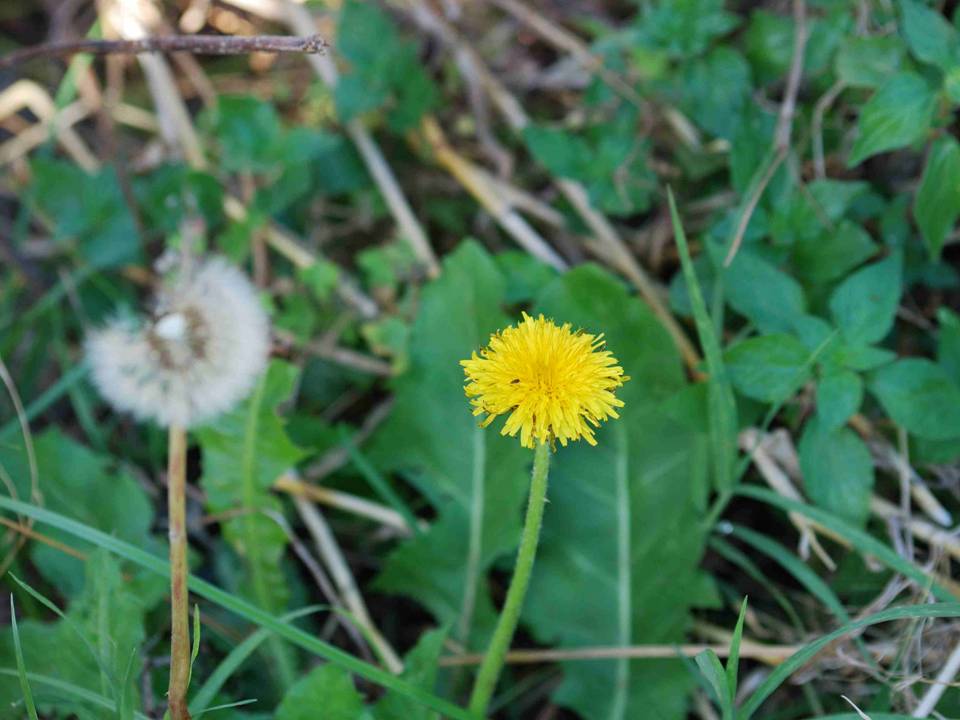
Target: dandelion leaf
(244, 451)
(97, 649)
(621, 544)
(475, 479)
(86, 486)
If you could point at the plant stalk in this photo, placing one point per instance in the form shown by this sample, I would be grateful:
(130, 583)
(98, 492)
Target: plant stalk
(489, 671)
(179, 604)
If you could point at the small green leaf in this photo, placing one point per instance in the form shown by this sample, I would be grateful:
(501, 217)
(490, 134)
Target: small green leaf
(837, 470)
(384, 70)
(715, 88)
(248, 132)
(685, 27)
(767, 296)
(864, 306)
(327, 692)
(868, 61)
(321, 278)
(948, 342)
(899, 114)
(930, 37)
(937, 205)
(861, 357)
(832, 254)
(768, 368)
(839, 394)
(921, 396)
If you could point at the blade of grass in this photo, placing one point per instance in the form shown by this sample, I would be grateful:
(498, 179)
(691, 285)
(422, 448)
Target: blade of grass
(47, 398)
(738, 558)
(21, 666)
(861, 540)
(71, 690)
(733, 660)
(226, 706)
(712, 669)
(240, 607)
(722, 408)
(802, 573)
(802, 656)
(234, 659)
(378, 482)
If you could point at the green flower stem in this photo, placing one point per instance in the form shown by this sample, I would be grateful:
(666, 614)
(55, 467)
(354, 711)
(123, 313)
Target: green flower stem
(493, 660)
(179, 604)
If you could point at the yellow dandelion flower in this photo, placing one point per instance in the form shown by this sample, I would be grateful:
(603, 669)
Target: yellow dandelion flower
(555, 383)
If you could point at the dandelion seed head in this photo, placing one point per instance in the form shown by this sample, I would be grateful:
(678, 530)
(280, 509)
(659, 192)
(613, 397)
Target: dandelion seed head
(554, 384)
(194, 358)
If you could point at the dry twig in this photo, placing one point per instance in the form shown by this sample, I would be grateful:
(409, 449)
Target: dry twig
(196, 44)
(781, 137)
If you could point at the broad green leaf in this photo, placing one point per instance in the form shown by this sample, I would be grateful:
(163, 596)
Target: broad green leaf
(244, 451)
(921, 396)
(88, 486)
(769, 367)
(868, 61)
(864, 306)
(837, 470)
(326, 693)
(937, 205)
(839, 394)
(928, 34)
(767, 296)
(832, 254)
(474, 478)
(899, 114)
(420, 667)
(109, 613)
(613, 519)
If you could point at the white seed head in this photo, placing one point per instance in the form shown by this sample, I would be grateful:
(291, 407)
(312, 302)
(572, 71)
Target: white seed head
(195, 358)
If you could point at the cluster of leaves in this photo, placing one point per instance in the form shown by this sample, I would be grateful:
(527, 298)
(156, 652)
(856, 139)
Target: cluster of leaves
(821, 323)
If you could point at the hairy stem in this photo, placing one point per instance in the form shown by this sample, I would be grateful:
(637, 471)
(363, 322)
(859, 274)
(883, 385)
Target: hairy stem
(179, 605)
(493, 660)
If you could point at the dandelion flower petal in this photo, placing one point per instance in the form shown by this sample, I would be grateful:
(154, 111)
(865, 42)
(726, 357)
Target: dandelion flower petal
(553, 384)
